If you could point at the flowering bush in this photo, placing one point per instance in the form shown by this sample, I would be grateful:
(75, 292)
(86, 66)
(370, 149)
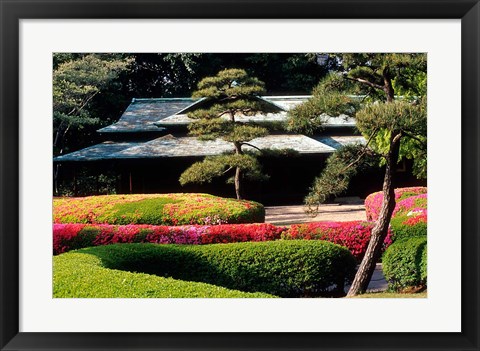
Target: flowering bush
(373, 202)
(68, 237)
(411, 205)
(353, 235)
(156, 209)
(406, 226)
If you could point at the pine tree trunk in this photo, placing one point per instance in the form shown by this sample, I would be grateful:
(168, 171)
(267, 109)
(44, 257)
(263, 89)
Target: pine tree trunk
(238, 183)
(379, 232)
(388, 87)
(238, 173)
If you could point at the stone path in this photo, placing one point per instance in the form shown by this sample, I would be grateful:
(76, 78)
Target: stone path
(377, 283)
(345, 209)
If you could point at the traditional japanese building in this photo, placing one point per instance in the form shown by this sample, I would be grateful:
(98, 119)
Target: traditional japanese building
(148, 148)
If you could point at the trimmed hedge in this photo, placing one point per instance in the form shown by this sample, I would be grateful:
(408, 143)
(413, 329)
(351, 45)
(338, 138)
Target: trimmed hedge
(68, 237)
(354, 235)
(283, 268)
(405, 227)
(405, 264)
(156, 209)
(373, 202)
(82, 275)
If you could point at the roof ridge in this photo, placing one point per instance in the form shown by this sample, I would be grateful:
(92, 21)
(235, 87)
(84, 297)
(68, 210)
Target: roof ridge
(163, 99)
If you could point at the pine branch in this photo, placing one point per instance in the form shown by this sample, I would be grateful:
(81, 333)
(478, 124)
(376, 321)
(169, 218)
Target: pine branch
(411, 136)
(364, 81)
(364, 151)
(251, 145)
(396, 138)
(226, 171)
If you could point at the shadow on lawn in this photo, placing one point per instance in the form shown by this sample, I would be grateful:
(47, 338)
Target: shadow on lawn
(195, 264)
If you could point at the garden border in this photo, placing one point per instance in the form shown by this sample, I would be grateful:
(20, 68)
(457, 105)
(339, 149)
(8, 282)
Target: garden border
(13, 11)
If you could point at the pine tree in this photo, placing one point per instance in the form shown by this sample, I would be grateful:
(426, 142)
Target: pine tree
(393, 128)
(228, 96)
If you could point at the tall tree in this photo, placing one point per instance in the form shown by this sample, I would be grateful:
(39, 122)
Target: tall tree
(77, 80)
(385, 123)
(229, 95)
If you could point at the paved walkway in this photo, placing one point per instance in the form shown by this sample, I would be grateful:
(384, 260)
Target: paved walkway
(377, 283)
(346, 209)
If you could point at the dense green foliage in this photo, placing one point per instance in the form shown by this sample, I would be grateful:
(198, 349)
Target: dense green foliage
(282, 268)
(159, 209)
(76, 83)
(335, 178)
(216, 166)
(405, 264)
(405, 227)
(83, 275)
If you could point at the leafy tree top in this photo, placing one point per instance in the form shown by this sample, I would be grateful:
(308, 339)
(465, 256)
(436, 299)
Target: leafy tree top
(76, 82)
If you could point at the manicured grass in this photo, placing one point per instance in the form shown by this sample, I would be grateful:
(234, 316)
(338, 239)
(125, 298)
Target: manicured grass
(82, 275)
(389, 295)
(156, 209)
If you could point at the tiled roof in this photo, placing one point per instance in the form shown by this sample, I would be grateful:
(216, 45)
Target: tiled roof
(286, 102)
(152, 115)
(97, 152)
(170, 146)
(329, 122)
(142, 113)
(181, 119)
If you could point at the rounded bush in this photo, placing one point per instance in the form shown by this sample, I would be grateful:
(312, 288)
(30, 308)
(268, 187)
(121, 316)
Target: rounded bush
(157, 209)
(405, 264)
(373, 202)
(68, 237)
(354, 235)
(282, 268)
(405, 227)
(411, 205)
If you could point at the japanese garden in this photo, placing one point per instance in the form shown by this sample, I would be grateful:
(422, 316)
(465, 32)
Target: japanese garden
(252, 175)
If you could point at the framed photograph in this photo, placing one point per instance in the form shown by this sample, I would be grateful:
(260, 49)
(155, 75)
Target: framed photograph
(39, 36)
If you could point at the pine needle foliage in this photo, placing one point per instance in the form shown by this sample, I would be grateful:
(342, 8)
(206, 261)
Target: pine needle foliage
(394, 128)
(228, 96)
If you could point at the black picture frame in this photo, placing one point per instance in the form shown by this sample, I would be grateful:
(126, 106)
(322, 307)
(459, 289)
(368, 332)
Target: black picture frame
(12, 11)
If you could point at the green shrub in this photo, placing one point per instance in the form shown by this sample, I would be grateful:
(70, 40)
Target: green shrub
(82, 275)
(157, 209)
(290, 268)
(405, 264)
(405, 227)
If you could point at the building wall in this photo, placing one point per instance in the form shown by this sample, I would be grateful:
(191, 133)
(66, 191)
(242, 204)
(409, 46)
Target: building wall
(290, 178)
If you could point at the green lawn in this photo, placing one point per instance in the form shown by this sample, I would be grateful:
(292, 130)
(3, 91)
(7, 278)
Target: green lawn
(81, 275)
